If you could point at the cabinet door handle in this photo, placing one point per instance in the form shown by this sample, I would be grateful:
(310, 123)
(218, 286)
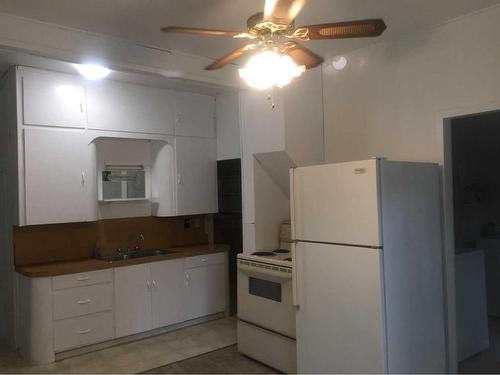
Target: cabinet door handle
(81, 107)
(84, 278)
(154, 283)
(179, 181)
(84, 301)
(187, 278)
(148, 284)
(84, 331)
(204, 259)
(83, 178)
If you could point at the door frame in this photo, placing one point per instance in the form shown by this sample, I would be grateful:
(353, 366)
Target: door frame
(443, 125)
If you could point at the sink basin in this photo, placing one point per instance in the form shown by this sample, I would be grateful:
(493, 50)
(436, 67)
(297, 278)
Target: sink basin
(136, 254)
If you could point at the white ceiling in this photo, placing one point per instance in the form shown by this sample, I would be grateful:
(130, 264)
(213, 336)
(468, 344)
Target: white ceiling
(141, 20)
(9, 58)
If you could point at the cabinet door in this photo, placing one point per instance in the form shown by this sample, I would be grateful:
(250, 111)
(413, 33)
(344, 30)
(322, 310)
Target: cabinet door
(132, 299)
(205, 290)
(167, 301)
(57, 171)
(194, 115)
(53, 99)
(196, 175)
(127, 107)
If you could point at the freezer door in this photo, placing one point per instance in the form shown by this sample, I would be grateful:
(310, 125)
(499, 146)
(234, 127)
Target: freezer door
(340, 325)
(337, 203)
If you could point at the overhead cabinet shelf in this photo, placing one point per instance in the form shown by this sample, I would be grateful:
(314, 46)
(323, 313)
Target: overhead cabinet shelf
(59, 158)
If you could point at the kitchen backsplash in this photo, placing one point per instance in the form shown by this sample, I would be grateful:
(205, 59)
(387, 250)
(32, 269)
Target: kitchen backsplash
(62, 242)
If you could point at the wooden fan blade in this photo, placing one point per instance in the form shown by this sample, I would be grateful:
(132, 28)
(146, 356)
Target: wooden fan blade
(282, 11)
(223, 61)
(303, 56)
(196, 31)
(351, 29)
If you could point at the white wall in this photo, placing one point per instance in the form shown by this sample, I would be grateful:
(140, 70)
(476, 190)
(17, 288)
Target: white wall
(227, 110)
(66, 44)
(386, 101)
(392, 97)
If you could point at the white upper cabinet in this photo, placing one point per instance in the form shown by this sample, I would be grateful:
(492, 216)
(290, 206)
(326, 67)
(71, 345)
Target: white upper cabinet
(52, 99)
(196, 160)
(194, 115)
(58, 174)
(131, 108)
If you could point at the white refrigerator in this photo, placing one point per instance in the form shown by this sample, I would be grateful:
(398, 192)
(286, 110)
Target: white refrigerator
(367, 279)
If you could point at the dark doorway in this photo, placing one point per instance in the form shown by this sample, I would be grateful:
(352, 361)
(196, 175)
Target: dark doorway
(476, 204)
(228, 221)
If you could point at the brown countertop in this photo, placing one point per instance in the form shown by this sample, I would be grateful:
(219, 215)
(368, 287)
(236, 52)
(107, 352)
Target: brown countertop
(90, 264)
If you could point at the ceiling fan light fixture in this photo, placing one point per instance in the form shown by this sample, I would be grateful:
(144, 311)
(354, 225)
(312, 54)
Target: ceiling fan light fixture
(268, 68)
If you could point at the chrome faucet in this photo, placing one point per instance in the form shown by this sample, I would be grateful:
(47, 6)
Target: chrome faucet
(139, 242)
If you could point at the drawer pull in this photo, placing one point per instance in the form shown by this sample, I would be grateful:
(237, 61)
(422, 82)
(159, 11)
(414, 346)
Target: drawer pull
(83, 302)
(84, 331)
(84, 278)
(204, 259)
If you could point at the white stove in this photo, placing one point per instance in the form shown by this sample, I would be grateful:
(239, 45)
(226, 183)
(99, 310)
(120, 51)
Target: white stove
(280, 257)
(266, 316)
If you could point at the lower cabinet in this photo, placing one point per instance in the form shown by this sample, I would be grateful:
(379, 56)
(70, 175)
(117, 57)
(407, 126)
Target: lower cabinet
(148, 296)
(132, 299)
(61, 313)
(154, 295)
(167, 291)
(205, 291)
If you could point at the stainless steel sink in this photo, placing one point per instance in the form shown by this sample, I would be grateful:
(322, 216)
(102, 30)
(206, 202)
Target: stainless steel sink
(136, 254)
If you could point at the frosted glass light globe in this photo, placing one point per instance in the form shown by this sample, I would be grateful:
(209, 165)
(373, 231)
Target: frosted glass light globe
(268, 68)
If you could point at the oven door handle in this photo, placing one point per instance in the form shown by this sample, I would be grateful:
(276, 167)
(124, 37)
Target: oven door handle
(295, 298)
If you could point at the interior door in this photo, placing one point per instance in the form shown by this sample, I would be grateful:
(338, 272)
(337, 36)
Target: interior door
(340, 316)
(58, 175)
(167, 287)
(132, 299)
(337, 203)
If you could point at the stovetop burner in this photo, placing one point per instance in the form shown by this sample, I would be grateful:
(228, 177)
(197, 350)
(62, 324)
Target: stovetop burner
(281, 251)
(264, 254)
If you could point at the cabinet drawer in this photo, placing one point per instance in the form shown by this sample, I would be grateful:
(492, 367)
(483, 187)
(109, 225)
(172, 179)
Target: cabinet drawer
(86, 330)
(69, 303)
(82, 279)
(204, 260)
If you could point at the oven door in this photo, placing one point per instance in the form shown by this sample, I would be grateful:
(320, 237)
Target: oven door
(265, 298)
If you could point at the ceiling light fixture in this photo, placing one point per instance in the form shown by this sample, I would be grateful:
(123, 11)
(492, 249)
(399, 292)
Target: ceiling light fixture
(269, 68)
(339, 62)
(93, 72)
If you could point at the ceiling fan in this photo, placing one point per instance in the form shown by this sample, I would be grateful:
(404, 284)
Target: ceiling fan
(273, 32)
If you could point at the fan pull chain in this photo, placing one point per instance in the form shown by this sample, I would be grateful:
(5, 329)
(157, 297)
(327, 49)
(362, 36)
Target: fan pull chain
(270, 97)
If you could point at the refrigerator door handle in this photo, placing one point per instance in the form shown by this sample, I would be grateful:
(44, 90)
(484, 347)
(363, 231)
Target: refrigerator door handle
(295, 301)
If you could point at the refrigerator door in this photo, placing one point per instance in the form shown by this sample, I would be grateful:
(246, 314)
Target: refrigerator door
(340, 324)
(337, 203)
